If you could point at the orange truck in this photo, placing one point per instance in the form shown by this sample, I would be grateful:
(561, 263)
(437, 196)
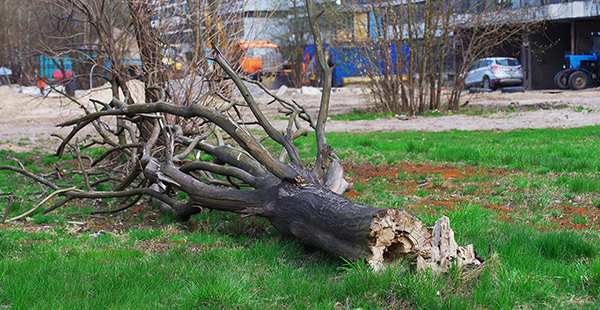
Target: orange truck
(258, 58)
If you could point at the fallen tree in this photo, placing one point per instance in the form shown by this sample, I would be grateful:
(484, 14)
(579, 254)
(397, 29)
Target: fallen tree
(165, 157)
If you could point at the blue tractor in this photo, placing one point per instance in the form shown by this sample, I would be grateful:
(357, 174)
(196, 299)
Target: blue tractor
(580, 71)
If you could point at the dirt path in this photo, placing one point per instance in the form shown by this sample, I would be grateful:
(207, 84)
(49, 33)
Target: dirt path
(533, 109)
(27, 123)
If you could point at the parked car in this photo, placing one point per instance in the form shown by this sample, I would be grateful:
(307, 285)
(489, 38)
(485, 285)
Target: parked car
(495, 72)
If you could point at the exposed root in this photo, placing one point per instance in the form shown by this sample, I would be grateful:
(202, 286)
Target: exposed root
(397, 232)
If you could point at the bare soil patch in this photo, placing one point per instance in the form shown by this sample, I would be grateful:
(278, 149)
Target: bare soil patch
(27, 122)
(447, 190)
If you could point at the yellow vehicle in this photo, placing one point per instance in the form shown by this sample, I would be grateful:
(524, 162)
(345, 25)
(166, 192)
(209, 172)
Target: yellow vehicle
(169, 62)
(172, 58)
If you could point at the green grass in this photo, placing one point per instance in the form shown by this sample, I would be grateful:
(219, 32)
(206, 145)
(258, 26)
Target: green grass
(532, 215)
(360, 114)
(207, 269)
(533, 150)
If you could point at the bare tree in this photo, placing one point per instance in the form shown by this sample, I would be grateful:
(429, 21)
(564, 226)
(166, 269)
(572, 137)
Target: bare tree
(244, 176)
(405, 53)
(417, 48)
(20, 21)
(96, 37)
(483, 30)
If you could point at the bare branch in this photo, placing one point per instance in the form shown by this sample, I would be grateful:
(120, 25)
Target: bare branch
(125, 207)
(114, 149)
(31, 175)
(291, 105)
(245, 140)
(325, 97)
(262, 120)
(8, 205)
(220, 169)
(43, 201)
(81, 167)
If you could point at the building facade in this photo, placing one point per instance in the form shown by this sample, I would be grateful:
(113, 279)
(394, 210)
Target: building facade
(569, 25)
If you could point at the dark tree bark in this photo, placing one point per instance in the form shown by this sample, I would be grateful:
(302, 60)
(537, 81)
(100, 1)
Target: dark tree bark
(312, 214)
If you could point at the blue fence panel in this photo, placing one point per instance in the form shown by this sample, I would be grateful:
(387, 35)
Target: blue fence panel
(351, 61)
(50, 64)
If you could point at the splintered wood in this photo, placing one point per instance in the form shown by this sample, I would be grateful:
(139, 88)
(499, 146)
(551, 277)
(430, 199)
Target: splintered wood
(397, 232)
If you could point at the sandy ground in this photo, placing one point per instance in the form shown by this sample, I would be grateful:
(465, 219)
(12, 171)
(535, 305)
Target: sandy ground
(533, 109)
(27, 122)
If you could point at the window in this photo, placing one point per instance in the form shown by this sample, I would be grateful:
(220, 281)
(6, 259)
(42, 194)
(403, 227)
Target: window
(259, 52)
(507, 62)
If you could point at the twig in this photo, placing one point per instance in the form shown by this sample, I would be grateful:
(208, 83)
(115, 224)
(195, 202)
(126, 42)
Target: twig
(98, 182)
(66, 95)
(319, 14)
(133, 174)
(129, 205)
(30, 175)
(20, 164)
(291, 104)
(57, 205)
(85, 176)
(44, 201)
(117, 148)
(63, 144)
(10, 201)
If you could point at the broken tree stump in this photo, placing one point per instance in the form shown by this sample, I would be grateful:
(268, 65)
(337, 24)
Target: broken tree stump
(397, 232)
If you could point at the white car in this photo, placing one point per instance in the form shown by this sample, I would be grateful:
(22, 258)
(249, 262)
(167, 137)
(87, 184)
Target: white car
(494, 72)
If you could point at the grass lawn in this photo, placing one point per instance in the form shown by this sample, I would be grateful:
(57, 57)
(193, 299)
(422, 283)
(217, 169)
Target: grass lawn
(527, 200)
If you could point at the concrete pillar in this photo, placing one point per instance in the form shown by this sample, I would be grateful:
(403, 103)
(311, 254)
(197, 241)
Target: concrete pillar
(526, 61)
(573, 36)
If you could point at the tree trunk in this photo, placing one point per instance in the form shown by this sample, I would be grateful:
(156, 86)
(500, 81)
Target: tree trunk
(318, 217)
(321, 218)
